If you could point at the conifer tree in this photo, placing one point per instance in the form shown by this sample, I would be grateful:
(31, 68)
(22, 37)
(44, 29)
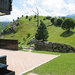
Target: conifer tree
(42, 33)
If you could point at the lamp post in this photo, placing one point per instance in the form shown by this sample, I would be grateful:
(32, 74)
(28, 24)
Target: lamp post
(5, 7)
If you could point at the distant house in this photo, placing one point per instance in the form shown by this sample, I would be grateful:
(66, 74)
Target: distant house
(5, 7)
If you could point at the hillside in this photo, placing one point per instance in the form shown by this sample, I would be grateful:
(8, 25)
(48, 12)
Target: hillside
(26, 30)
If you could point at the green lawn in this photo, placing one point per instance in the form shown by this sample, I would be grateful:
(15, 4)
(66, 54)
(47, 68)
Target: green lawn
(57, 34)
(63, 65)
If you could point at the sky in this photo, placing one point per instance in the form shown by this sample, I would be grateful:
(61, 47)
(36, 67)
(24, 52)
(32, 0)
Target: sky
(45, 7)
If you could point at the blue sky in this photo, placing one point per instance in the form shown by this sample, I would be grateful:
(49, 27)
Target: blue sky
(45, 7)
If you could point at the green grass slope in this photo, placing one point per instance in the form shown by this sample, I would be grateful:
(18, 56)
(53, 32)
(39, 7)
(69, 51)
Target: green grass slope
(26, 27)
(62, 65)
(56, 34)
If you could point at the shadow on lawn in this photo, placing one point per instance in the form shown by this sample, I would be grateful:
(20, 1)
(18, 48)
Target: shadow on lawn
(65, 34)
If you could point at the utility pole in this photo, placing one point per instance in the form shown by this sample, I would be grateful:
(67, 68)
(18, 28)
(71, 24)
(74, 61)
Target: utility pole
(37, 14)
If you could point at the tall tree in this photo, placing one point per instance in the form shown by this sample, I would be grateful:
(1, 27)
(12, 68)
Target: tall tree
(53, 20)
(68, 24)
(59, 21)
(42, 33)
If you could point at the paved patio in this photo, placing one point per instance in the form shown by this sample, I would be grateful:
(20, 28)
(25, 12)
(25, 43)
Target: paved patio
(21, 62)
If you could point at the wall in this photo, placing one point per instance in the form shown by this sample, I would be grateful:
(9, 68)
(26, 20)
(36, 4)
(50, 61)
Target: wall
(54, 47)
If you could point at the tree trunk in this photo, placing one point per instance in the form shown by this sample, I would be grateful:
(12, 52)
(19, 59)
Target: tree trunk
(68, 30)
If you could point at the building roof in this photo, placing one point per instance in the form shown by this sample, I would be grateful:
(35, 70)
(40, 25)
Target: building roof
(5, 7)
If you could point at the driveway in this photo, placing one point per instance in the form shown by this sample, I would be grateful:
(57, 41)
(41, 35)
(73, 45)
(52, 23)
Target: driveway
(21, 62)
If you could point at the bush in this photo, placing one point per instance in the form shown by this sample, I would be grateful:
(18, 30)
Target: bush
(44, 18)
(35, 16)
(59, 21)
(17, 17)
(68, 24)
(52, 20)
(22, 16)
(19, 42)
(26, 17)
(20, 47)
(30, 19)
(13, 20)
(48, 17)
(24, 39)
(17, 24)
(63, 17)
(28, 35)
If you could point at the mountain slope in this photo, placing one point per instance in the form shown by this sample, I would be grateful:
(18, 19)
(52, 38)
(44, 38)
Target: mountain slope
(72, 16)
(25, 30)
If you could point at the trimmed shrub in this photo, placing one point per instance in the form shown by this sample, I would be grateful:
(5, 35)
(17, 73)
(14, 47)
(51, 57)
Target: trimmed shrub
(59, 21)
(26, 16)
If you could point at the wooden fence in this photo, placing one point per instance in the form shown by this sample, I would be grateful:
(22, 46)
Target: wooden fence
(9, 44)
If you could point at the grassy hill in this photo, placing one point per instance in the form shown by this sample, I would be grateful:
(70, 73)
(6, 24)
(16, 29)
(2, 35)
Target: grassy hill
(26, 27)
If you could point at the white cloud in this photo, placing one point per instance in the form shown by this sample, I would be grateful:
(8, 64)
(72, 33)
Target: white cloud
(45, 7)
(24, 4)
(56, 6)
(14, 14)
(31, 2)
(71, 8)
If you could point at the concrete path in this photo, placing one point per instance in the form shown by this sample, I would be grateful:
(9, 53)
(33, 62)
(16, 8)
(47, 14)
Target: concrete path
(21, 62)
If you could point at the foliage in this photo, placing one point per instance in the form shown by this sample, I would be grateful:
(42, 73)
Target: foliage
(17, 17)
(22, 15)
(13, 20)
(68, 24)
(48, 17)
(63, 17)
(17, 24)
(34, 16)
(42, 33)
(59, 21)
(20, 47)
(44, 18)
(26, 16)
(30, 19)
(28, 35)
(1, 27)
(24, 39)
(52, 20)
